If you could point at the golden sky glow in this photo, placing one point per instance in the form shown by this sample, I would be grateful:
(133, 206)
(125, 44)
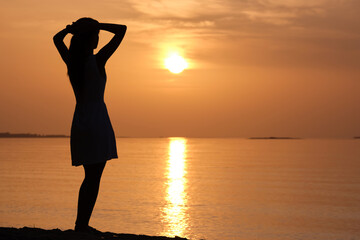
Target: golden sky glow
(255, 68)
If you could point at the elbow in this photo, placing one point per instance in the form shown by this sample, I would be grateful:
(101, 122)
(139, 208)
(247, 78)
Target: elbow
(56, 39)
(120, 32)
(124, 28)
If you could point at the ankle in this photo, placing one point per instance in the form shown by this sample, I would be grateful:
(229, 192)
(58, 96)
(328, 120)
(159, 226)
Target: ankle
(80, 226)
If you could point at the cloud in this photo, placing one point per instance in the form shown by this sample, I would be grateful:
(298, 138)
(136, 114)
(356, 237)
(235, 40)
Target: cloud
(205, 27)
(274, 17)
(298, 31)
(179, 9)
(296, 3)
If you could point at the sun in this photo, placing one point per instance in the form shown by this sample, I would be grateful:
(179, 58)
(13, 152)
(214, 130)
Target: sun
(175, 63)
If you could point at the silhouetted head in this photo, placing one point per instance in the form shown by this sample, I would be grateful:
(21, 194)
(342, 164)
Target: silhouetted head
(85, 35)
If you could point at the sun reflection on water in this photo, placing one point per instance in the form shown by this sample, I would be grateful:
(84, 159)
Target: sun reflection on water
(175, 211)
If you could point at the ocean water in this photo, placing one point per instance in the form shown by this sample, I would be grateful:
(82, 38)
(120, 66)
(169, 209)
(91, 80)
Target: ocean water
(192, 187)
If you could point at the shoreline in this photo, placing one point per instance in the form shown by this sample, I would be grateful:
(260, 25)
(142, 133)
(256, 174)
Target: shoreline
(29, 233)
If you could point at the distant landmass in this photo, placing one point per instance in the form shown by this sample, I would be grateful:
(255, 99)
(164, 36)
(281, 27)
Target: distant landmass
(357, 137)
(29, 135)
(270, 138)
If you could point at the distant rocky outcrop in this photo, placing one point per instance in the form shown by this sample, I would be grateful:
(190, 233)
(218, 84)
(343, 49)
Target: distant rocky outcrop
(28, 135)
(270, 138)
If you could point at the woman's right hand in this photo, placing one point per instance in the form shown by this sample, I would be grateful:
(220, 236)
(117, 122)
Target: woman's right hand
(70, 28)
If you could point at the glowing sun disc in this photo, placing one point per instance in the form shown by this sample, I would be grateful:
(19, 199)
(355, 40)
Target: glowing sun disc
(175, 63)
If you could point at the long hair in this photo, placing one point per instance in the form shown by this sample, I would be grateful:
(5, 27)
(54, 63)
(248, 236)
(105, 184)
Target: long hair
(81, 45)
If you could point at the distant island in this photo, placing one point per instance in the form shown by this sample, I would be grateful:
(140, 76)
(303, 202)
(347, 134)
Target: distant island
(29, 135)
(270, 138)
(357, 137)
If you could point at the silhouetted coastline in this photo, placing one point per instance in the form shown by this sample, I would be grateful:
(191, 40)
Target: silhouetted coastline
(26, 233)
(29, 135)
(357, 137)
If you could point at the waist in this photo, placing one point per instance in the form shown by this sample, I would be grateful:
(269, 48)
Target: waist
(90, 102)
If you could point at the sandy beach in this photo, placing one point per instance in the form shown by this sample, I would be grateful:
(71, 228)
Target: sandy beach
(27, 233)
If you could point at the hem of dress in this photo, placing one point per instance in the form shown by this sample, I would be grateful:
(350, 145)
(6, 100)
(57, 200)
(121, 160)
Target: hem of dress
(105, 160)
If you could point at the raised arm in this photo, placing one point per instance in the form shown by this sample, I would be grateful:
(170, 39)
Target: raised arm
(60, 45)
(105, 53)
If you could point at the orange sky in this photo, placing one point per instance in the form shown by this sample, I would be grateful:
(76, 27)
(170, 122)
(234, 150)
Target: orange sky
(256, 67)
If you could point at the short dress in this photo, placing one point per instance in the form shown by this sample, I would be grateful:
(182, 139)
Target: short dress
(92, 137)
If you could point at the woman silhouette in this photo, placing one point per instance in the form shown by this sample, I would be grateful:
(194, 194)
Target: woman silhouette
(92, 137)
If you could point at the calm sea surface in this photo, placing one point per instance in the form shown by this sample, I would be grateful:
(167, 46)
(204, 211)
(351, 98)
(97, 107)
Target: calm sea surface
(192, 187)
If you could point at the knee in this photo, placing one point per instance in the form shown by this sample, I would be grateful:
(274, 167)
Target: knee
(92, 180)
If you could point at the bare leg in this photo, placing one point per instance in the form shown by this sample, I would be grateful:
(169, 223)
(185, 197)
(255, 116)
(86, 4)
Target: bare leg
(88, 193)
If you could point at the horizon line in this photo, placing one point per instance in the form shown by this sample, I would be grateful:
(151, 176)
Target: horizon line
(36, 135)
